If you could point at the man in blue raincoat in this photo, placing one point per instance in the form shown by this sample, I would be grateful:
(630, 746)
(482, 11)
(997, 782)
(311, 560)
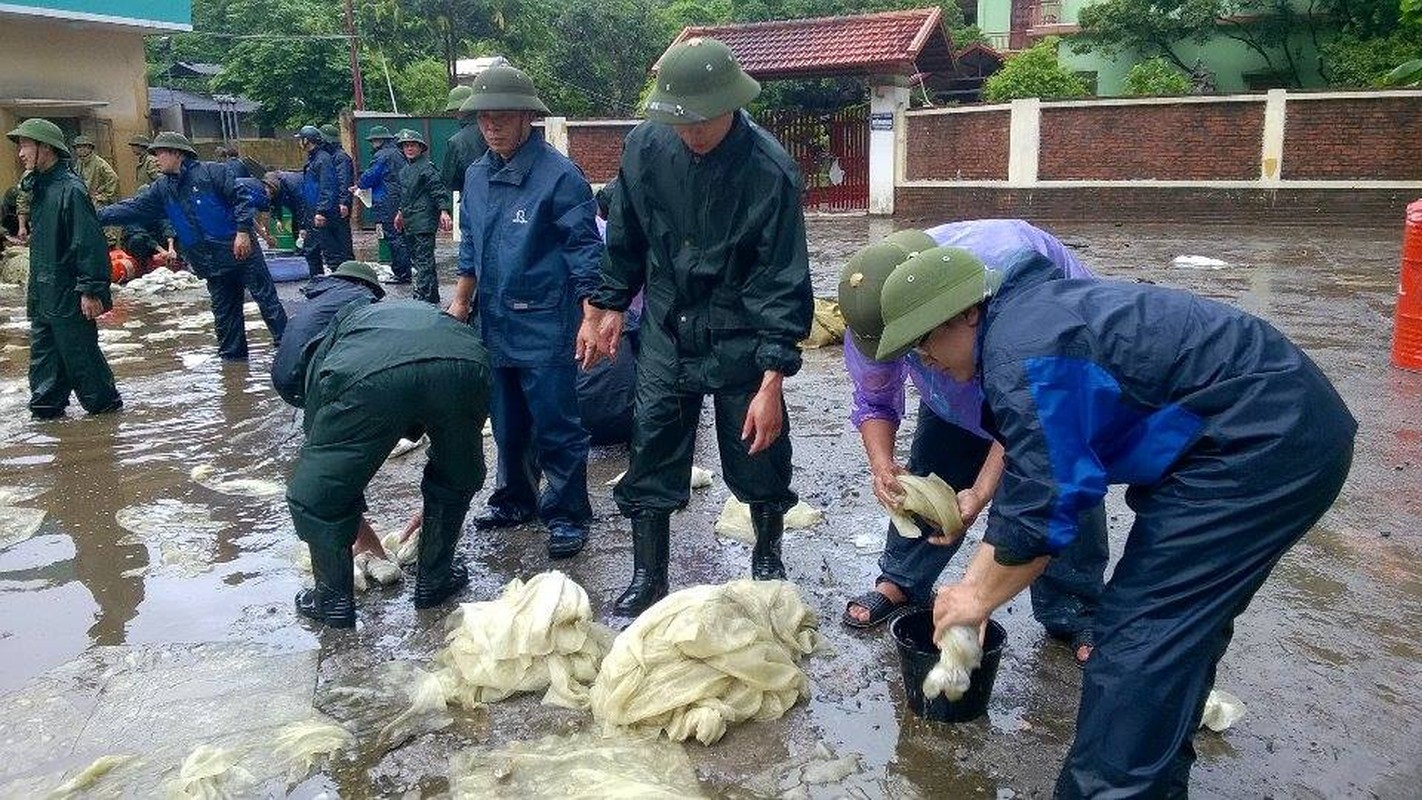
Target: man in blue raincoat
(382, 178)
(319, 202)
(530, 245)
(213, 221)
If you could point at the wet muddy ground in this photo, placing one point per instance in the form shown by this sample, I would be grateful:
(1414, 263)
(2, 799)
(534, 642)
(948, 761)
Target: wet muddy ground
(1326, 659)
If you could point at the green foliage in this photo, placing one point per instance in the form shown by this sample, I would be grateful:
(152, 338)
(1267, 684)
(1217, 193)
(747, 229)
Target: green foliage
(1156, 77)
(1411, 11)
(1034, 72)
(421, 87)
(1357, 63)
(1408, 74)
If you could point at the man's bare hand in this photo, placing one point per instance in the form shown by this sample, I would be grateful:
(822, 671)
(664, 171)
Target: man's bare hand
(241, 245)
(90, 306)
(765, 418)
(446, 222)
(887, 488)
(598, 336)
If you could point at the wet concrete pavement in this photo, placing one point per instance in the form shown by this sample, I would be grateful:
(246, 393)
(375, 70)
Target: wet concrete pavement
(1326, 658)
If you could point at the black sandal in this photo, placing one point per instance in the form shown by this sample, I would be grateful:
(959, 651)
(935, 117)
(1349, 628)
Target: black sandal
(879, 606)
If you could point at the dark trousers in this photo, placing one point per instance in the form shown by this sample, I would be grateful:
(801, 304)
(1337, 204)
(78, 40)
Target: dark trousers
(226, 290)
(1193, 561)
(421, 249)
(350, 436)
(658, 479)
(338, 247)
(534, 411)
(399, 254)
(65, 357)
(1064, 597)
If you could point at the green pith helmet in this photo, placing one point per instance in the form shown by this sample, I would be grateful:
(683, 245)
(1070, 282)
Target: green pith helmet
(504, 88)
(378, 132)
(911, 239)
(410, 135)
(861, 283)
(331, 132)
(928, 290)
(360, 271)
(82, 141)
(697, 80)
(42, 131)
(138, 141)
(311, 133)
(457, 96)
(172, 140)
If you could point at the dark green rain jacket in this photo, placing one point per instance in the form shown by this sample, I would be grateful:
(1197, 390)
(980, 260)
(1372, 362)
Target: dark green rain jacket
(68, 253)
(464, 148)
(718, 244)
(422, 196)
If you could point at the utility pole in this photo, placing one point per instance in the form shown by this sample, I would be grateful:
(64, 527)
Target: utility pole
(355, 57)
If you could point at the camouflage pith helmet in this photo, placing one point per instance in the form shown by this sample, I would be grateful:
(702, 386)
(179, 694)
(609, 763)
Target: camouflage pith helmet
(82, 141)
(311, 133)
(378, 133)
(911, 239)
(504, 88)
(410, 135)
(697, 80)
(172, 140)
(331, 132)
(928, 290)
(457, 96)
(861, 283)
(42, 131)
(138, 141)
(363, 272)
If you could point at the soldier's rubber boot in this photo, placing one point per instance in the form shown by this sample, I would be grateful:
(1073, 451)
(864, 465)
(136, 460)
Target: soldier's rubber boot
(769, 527)
(332, 600)
(651, 540)
(438, 574)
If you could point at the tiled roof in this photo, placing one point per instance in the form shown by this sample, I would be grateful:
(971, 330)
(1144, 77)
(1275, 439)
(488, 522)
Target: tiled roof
(889, 43)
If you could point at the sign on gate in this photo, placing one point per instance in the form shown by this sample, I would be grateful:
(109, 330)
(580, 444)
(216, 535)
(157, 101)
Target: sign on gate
(882, 121)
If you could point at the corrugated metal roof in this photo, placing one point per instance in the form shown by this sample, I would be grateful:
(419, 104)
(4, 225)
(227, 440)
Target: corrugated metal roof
(160, 97)
(888, 43)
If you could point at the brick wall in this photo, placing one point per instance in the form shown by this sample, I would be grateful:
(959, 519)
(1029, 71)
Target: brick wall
(971, 146)
(597, 149)
(1338, 139)
(936, 204)
(1188, 141)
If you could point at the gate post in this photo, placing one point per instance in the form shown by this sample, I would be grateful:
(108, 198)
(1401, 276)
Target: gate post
(887, 104)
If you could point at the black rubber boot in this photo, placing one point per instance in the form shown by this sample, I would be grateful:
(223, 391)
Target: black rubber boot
(332, 599)
(765, 558)
(438, 575)
(651, 537)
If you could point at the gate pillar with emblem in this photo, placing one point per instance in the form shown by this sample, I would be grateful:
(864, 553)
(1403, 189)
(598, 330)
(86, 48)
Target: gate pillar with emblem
(887, 104)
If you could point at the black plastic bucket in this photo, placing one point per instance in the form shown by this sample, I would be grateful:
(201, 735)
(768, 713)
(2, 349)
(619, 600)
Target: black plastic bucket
(913, 633)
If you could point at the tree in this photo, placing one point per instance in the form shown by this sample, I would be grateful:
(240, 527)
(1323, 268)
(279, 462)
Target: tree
(1155, 77)
(1035, 72)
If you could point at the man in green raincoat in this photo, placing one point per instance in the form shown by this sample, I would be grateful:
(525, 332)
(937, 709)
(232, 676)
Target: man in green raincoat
(706, 220)
(98, 175)
(424, 208)
(147, 170)
(467, 145)
(69, 280)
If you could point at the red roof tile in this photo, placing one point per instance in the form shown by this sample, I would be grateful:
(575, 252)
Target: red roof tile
(889, 43)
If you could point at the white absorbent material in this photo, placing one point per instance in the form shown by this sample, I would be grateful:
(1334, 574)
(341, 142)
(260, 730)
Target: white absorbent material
(303, 744)
(402, 553)
(960, 654)
(701, 478)
(707, 657)
(1222, 710)
(735, 520)
(206, 475)
(537, 635)
(209, 773)
(581, 765)
(930, 498)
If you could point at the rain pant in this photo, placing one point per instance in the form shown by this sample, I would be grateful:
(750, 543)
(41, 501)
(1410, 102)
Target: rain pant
(422, 197)
(382, 372)
(206, 209)
(342, 248)
(1232, 442)
(319, 196)
(68, 258)
(530, 240)
(718, 244)
(465, 147)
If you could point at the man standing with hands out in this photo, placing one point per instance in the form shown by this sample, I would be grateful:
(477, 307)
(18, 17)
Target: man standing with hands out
(530, 244)
(705, 219)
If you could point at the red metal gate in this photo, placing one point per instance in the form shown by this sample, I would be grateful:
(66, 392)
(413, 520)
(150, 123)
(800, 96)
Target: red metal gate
(832, 149)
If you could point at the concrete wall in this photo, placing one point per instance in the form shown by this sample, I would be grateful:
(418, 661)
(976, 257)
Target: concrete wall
(55, 60)
(1284, 157)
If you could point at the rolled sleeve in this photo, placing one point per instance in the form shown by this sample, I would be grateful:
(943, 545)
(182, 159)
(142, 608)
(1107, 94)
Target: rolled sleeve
(878, 387)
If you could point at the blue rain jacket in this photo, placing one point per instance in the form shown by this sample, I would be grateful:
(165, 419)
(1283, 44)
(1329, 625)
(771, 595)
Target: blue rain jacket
(382, 178)
(1093, 383)
(344, 172)
(319, 187)
(205, 208)
(529, 237)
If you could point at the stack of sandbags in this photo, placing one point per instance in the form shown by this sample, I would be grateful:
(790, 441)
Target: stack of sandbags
(708, 657)
(15, 265)
(827, 327)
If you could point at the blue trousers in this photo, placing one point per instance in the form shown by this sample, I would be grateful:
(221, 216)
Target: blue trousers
(538, 433)
(226, 290)
(1064, 598)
